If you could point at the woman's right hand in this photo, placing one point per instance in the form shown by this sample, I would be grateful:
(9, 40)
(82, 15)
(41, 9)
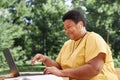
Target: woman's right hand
(39, 58)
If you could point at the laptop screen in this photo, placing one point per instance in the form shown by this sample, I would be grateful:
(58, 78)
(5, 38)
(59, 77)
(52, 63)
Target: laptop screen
(11, 63)
(4, 68)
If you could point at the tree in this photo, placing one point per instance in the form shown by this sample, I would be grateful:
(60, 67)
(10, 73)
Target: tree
(8, 32)
(12, 30)
(106, 22)
(47, 35)
(102, 17)
(33, 26)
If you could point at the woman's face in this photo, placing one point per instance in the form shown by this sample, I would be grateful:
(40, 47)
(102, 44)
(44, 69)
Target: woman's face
(72, 29)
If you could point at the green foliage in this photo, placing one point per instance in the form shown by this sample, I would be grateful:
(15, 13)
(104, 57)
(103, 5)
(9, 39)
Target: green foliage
(30, 68)
(105, 21)
(47, 33)
(31, 26)
(8, 33)
(28, 27)
(102, 17)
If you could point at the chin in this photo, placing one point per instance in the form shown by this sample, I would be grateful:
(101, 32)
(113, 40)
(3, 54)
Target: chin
(72, 39)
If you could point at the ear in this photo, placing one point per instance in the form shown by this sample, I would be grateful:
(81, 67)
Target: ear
(80, 24)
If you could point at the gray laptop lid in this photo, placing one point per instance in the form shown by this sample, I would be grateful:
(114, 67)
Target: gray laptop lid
(14, 72)
(13, 68)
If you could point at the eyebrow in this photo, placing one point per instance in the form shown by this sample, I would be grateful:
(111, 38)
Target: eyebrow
(68, 24)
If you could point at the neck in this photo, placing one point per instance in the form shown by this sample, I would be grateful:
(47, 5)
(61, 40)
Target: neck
(82, 34)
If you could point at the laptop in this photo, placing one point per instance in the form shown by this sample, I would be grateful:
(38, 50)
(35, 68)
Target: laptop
(14, 72)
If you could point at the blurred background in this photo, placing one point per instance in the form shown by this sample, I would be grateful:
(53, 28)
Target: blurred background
(28, 27)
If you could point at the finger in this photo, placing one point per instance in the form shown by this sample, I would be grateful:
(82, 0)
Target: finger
(41, 60)
(32, 61)
(46, 71)
(37, 56)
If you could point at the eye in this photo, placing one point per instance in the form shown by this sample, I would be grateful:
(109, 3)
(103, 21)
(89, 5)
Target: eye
(68, 27)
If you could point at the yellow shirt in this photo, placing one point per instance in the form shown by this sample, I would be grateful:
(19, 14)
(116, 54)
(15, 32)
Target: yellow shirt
(76, 53)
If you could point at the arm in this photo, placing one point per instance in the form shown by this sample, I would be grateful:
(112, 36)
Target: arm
(85, 72)
(46, 60)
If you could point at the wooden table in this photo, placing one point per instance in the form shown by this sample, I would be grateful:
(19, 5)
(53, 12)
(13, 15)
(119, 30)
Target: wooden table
(64, 78)
(31, 73)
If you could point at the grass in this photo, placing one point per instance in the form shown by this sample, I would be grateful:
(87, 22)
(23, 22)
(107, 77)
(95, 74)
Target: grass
(25, 68)
(31, 68)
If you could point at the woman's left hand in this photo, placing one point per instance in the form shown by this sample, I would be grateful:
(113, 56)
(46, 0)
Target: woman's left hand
(53, 70)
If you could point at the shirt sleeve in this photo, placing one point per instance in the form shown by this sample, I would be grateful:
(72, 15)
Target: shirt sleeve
(94, 45)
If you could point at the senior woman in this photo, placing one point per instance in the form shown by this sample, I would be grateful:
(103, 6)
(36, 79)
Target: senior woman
(85, 56)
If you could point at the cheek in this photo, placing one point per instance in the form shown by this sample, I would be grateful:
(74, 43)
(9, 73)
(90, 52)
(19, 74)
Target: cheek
(74, 30)
(71, 31)
(68, 31)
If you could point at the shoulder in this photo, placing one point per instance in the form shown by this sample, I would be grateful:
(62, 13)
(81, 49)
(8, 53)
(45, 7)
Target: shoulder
(93, 35)
(95, 38)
